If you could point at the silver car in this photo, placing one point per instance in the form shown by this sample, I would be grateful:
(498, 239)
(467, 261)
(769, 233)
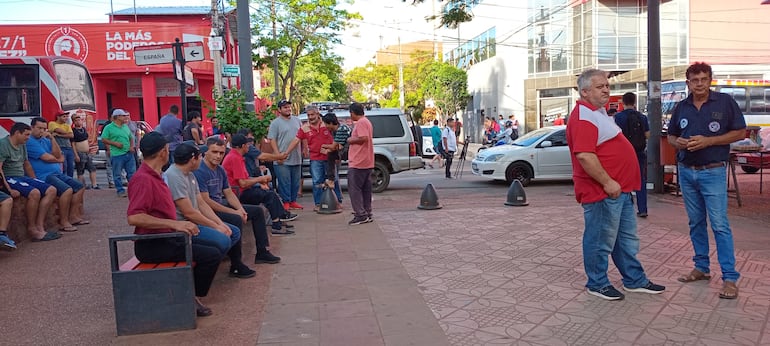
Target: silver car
(395, 148)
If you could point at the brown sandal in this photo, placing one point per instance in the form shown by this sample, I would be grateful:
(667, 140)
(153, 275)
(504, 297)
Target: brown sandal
(729, 290)
(695, 275)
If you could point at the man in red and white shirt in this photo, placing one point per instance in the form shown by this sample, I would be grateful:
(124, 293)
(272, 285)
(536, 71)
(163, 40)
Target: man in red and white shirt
(605, 171)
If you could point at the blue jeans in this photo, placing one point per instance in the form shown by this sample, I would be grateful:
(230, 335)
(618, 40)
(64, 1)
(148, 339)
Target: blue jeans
(705, 193)
(69, 161)
(610, 229)
(211, 237)
(119, 163)
(288, 181)
(62, 183)
(318, 175)
(641, 194)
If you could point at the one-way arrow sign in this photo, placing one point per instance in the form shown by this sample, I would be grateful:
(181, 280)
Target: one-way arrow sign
(193, 51)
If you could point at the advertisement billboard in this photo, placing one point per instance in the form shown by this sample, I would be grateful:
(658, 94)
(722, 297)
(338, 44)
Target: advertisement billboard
(99, 46)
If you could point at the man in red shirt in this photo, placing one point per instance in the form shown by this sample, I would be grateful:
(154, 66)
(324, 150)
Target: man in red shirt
(151, 210)
(360, 165)
(255, 190)
(605, 171)
(315, 134)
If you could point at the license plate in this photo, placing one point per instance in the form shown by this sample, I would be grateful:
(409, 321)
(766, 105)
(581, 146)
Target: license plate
(742, 159)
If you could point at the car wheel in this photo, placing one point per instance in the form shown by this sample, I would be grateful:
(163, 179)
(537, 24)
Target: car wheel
(750, 169)
(521, 171)
(380, 177)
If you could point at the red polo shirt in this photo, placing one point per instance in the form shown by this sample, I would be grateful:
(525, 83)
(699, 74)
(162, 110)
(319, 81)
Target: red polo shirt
(235, 168)
(149, 194)
(316, 137)
(591, 130)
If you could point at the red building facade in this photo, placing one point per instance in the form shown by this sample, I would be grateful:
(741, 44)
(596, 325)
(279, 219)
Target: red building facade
(106, 49)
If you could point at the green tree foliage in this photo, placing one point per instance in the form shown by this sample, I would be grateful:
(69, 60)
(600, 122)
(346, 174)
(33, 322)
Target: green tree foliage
(447, 85)
(306, 30)
(423, 79)
(233, 116)
(459, 13)
(319, 78)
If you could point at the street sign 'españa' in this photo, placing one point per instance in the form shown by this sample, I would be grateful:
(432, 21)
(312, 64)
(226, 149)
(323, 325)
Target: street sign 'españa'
(153, 55)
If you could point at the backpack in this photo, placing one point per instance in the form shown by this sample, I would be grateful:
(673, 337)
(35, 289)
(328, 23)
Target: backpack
(514, 134)
(634, 130)
(343, 154)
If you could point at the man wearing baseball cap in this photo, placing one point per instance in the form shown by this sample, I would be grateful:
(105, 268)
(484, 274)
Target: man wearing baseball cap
(151, 210)
(118, 136)
(283, 130)
(62, 134)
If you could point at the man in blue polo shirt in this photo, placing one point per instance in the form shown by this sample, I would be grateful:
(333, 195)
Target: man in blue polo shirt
(702, 127)
(46, 158)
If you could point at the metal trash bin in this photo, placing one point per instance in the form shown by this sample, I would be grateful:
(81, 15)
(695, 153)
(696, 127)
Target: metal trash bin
(153, 300)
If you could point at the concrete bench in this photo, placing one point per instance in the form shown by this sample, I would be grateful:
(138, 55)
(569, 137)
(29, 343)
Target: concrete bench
(17, 229)
(152, 297)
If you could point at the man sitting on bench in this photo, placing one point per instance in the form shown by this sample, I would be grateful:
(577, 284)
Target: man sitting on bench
(15, 164)
(254, 190)
(151, 210)
(212, 182)
(191, 206)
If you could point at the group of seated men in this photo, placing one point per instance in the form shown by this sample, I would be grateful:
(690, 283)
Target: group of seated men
(195, 196)
(31, 166)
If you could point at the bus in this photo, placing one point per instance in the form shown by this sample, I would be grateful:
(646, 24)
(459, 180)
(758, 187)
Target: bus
(752, 97)
(43, 87)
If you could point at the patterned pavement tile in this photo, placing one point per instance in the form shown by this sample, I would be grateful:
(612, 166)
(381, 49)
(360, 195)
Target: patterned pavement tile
(524, 285)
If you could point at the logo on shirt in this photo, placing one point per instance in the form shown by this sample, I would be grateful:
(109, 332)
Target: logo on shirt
(683, 123)
(716, 115)
(714, 126)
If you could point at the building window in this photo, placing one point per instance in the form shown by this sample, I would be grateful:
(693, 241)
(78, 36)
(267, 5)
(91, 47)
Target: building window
(478, 49)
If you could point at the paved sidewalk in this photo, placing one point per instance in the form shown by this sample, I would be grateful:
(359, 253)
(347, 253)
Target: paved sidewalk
(475, 272)
(493, 274)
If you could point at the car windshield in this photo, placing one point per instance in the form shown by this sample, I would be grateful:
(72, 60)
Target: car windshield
(531, 137)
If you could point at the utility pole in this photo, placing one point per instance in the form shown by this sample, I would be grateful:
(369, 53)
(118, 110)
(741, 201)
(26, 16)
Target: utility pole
(654, 168)
(400, 74)
(276, 80)
(244, 53)
(178, 64)
(435, 43)
(217, 55)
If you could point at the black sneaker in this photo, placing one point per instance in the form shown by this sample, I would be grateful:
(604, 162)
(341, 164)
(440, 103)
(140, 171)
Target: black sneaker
(359, 220)
(640, 214)
(650, 288)
(242, 272)
(278, 229)
(279, 224)
(288, 217)
(608, 293)
(266, 257)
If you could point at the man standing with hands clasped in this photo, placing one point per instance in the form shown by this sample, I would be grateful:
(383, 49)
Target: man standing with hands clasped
(360, 165)
(283, 129)
(449, 141)
(605, 171)
(702, 127)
